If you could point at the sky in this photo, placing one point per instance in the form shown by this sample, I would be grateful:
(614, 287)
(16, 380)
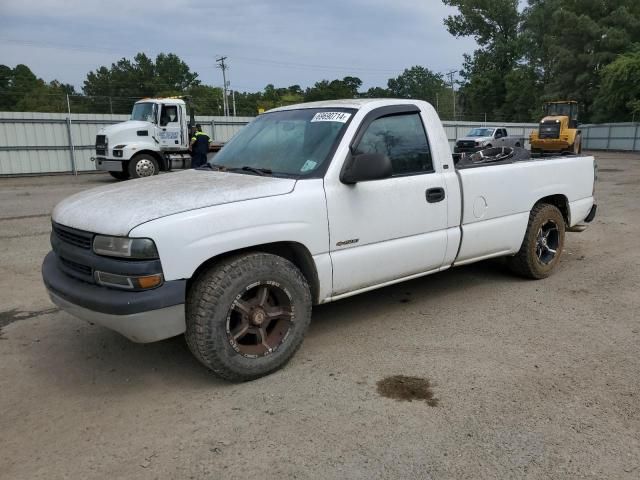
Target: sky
(282, 42)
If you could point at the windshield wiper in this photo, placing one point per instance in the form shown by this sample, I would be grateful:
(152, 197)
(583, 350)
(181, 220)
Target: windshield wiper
(258, 171)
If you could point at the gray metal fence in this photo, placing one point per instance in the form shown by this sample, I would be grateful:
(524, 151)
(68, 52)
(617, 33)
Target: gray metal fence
(36, 143)
(611, 136)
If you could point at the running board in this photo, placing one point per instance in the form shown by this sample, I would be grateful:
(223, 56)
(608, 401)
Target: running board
(577, 228)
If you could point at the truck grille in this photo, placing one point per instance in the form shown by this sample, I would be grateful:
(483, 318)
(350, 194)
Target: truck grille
(101, 144)
(75, 237)
(467, 143)
(549, 130)
(76, 267)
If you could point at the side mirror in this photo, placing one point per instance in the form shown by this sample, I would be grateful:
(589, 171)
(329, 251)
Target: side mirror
(365, 167)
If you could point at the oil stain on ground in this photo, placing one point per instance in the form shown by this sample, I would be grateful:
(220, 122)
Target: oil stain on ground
(14, 315)
(404, 388)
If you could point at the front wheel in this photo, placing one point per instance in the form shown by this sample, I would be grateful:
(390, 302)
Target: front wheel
(143, 166)
(248, 315)
(543, 243)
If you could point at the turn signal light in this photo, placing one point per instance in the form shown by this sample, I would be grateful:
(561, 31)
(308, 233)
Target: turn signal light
(126, 282)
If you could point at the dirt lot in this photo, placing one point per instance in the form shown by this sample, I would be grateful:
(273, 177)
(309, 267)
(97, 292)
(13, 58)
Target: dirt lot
(529, 379)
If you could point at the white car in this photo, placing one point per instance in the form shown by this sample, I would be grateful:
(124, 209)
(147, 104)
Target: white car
(308, 204)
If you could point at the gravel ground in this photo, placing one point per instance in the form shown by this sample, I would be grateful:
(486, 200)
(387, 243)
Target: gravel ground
(529, 379)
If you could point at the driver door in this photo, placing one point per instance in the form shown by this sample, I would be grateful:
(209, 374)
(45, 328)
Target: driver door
(169, 126)
(387, 229)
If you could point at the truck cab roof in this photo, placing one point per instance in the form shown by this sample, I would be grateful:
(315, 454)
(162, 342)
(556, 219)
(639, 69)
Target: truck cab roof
(166, 100)
(355, 103)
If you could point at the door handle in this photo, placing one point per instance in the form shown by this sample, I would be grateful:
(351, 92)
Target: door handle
(435, 195)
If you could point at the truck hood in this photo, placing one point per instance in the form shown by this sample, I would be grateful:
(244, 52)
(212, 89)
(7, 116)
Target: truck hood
(474, 139)
(116, 209)
(113, 131)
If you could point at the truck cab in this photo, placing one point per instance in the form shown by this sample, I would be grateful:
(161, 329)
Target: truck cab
(155, 138)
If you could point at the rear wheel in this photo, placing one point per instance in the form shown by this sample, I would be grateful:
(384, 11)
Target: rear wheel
(143, 166)
(120, 175)
(577, 145)
(248, 315)
(543, 243)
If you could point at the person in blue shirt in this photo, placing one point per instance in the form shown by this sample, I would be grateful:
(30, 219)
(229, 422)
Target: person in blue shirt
(199, 147)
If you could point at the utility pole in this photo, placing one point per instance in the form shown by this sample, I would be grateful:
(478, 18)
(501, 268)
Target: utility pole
(453, 91)
(233, 96)
(223, 67)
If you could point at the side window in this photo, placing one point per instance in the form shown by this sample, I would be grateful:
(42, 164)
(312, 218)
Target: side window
(498, 133)
(403, 139)
(169, 114)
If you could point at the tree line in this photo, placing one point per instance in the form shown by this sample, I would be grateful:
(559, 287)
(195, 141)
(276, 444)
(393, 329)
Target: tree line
(584, 50)
(114, 89)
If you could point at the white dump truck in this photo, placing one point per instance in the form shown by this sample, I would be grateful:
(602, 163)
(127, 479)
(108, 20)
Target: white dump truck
(156, 138)
(306, 205)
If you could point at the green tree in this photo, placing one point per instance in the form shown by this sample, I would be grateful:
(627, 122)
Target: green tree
(127, 80)
(22, 90)
(335, 89)
(573, 42)
(417, 82)
(494, 24)
(618, 97)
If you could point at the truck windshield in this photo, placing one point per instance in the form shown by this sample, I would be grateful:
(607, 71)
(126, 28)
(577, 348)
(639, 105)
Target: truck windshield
(144, 112)
(291, 142)
(481, 132)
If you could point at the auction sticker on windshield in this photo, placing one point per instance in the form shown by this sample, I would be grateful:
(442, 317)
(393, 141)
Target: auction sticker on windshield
(341, 117)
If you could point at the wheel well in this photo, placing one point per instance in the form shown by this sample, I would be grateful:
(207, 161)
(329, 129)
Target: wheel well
(156, 155)
(561, 202)
(295, 252)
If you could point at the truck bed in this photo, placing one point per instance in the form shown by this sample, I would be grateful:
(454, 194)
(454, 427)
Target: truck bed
(497, 198)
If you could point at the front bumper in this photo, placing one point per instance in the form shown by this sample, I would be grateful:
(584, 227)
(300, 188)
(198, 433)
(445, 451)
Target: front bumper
(142, 317)
(549, 144)
(457, 149)
(592, 214)
(108, 165)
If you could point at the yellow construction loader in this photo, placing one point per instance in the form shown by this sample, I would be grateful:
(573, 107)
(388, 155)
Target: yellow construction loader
(558, 131)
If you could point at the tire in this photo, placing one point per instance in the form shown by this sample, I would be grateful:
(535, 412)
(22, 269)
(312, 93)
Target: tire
(120, 175)
(577, 145)
(227, 314)
(538, 258)
(143, 166)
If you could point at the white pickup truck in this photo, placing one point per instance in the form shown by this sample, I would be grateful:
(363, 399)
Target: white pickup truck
(308, 204)
(486, 137)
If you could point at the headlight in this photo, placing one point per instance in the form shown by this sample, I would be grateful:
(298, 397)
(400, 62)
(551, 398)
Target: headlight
(140, 248)
(478, 143)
